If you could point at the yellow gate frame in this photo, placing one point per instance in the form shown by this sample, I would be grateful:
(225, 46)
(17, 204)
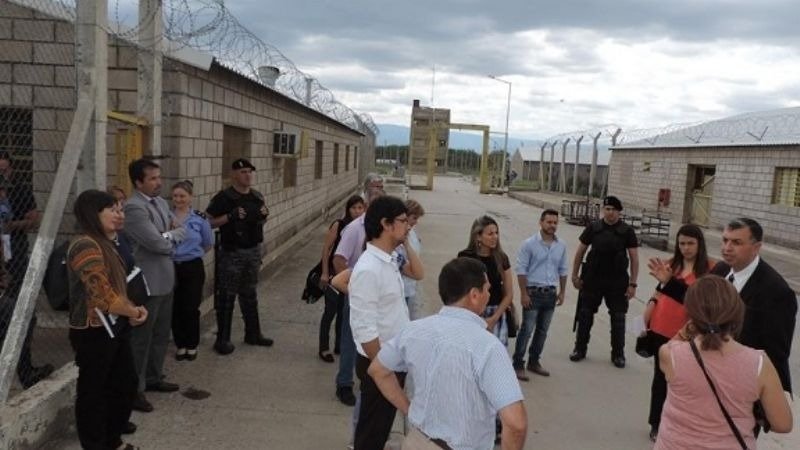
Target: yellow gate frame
(484, 189)
(129, 145)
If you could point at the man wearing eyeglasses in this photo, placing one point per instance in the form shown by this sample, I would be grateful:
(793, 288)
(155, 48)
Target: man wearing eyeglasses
(378, 311)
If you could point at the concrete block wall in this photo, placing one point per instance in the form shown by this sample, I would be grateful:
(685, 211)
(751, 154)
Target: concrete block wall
(197, 106)
(743, 184)
(37, 73)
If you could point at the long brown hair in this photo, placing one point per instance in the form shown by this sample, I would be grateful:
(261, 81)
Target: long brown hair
(715, 309)
(701, 261)
(478, 226)
(87, 210)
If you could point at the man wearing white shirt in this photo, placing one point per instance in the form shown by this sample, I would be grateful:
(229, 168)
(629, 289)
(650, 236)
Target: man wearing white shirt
(462, 375)
(378, 312)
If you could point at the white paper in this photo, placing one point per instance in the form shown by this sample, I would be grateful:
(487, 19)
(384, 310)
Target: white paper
(104, 322)
(636, 326)
(7, 255)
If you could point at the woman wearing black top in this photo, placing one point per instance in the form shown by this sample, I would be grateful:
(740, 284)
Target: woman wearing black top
(484, 245)
(334, 301)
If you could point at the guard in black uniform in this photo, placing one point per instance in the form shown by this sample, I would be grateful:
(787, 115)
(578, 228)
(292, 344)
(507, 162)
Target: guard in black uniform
(240, 213)
(604, 275)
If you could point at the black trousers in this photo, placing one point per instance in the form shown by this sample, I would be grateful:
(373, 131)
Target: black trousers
(106, 386)
(658, 388)
(334, 303)
(377, 415)
(190, 276)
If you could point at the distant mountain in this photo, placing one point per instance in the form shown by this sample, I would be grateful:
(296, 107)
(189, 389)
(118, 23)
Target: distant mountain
(398, 135)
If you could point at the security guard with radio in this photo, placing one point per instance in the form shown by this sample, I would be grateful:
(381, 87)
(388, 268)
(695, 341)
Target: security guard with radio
(240, 213)
(604, 275)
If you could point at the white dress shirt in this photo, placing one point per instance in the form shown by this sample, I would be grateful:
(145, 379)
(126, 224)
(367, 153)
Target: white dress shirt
(377, 301)
(740, 278)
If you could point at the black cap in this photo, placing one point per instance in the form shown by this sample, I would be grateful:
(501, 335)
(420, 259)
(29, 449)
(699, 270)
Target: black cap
(613, 201)
(242, 163)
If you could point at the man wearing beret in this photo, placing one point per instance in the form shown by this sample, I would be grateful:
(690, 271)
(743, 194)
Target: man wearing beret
(240, 213)
(604, 275)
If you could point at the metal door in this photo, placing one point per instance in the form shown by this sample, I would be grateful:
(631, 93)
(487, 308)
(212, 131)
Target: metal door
(702, 195)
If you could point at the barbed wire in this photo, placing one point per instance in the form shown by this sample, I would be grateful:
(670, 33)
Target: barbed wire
(208, 26)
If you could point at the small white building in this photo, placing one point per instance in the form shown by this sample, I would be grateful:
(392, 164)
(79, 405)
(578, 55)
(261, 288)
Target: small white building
(742, 166)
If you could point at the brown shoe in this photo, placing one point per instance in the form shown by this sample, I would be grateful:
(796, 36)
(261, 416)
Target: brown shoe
(538, 369)
(521, 376)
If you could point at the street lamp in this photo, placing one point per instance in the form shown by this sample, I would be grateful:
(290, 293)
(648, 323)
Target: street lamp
(505, 144)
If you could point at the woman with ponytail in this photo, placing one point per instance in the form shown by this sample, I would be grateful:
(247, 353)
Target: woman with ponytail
(693, 416)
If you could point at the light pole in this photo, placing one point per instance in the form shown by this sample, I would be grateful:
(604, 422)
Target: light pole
(505, 144)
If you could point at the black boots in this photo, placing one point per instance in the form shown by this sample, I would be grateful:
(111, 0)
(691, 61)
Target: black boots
(618, 339)
(223, 345)
(252, 326)
(582, 335)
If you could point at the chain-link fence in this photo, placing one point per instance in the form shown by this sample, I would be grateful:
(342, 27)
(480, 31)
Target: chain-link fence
(37, 105)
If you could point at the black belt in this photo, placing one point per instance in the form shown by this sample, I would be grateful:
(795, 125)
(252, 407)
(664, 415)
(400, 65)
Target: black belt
(437, 442)
(542, 289)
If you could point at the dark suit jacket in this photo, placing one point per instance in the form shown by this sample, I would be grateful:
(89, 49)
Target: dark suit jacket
(769, 318)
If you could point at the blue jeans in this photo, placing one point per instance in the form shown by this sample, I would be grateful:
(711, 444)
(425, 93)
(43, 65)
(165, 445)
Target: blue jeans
(537, 316)
(347, 358)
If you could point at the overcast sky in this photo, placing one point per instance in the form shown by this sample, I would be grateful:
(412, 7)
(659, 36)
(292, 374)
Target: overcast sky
(573, 64)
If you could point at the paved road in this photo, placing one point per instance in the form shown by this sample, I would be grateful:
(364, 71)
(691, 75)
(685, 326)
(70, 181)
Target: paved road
(283, 397)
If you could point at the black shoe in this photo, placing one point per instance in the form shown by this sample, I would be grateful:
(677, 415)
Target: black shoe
(325, 356)
(618, 361)
(258, 339)
(162, 386)
(224, 347)
(141, 404)
(129, 428)
(653, 433)
(35, 375)
(181, 356)
(345, 395)
(577, 355)
(191, 356)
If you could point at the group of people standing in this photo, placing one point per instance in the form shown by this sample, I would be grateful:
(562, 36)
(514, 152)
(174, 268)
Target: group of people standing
(454, 368)
(136, 276)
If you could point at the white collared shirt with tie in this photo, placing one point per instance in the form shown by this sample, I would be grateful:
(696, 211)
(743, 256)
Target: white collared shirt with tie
(740, 278)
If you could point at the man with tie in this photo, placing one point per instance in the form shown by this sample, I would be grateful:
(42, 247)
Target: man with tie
(148, 223)
(770, 304)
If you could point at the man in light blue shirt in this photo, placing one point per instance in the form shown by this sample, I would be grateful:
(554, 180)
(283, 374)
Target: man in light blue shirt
(542, 276)
(462, 374)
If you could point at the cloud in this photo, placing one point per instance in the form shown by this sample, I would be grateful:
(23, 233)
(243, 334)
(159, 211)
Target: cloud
(573, 64)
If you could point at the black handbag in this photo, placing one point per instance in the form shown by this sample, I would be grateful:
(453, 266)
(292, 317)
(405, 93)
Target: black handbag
(511, 321)
(644, 345)
(719, 402)
(313, 291)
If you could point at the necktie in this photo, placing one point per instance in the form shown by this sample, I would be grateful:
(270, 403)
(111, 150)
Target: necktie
(730, 278)
(160, 216)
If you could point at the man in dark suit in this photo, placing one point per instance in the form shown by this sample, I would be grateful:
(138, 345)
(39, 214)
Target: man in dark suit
(771, 305)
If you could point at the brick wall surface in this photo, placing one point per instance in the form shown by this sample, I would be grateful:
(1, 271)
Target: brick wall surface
(37, 71)
(743, 184)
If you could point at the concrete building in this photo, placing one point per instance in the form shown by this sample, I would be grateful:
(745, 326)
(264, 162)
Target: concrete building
(211, 115)
(526, 162)
(423, 120)
(746, 165)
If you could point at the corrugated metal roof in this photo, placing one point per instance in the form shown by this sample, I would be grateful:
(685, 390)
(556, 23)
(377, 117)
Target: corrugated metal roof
(762, 128)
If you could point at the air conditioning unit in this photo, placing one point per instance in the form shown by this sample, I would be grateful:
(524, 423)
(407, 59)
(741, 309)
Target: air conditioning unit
(284, 143)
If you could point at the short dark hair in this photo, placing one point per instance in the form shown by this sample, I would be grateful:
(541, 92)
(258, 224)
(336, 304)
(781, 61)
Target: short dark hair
(458, 277)
(755, 229)
(548, 212)
(5, 155)
(385, 207)
(137, 168)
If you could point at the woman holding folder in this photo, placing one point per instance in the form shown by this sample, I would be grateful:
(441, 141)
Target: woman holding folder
(100, 316)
